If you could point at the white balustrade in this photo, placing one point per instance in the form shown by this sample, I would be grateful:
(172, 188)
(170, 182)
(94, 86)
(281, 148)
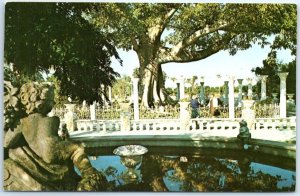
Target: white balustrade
(213, 124)
(197, 124)
(275, 124)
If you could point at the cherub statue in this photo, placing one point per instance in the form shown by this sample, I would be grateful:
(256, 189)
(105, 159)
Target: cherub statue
(244, 134)
(38, 159)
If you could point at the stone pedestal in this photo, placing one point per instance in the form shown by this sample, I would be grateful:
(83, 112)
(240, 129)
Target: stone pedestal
(125, 116)
(283, 76)
(184, 115)
(70, 117)
(125, 121)
(291, 106)
(93, 111)
(263, 92)
(248, 114)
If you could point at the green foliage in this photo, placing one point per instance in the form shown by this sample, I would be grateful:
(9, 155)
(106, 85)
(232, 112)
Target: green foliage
(272, 67)
(121, 89)
(59, 99)
(234, 26)
(40, 36)
(18, 79)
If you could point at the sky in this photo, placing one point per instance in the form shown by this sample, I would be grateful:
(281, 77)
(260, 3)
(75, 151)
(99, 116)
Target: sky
(222, 63)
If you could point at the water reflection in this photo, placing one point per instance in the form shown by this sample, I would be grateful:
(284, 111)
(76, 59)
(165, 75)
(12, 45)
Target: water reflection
(204, 173)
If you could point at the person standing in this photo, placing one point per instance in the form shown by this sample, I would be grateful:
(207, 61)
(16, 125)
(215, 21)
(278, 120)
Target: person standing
(213, 105)
(195, 107)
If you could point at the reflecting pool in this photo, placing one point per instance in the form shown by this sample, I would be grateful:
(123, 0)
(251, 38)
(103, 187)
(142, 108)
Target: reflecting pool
(194, 169)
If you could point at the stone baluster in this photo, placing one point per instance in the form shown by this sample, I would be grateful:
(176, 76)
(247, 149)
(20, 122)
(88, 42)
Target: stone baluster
(240, 81)
(184, 116)
(231, 97)
(283, 76)
(263, 92)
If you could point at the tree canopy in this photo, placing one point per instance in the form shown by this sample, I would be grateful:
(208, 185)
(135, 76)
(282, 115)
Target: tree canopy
(41, 36)
(173, 32)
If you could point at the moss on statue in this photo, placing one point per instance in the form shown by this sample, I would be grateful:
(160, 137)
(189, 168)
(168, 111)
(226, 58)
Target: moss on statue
(37, 158)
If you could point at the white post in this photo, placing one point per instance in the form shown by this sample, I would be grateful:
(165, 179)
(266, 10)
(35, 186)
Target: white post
(135, 99)
(226, 92)
(231, 97)
(70, 117)
(110, 94)
(283, 76)
(93, 111)
(250, 94)
(240, 81)
(263, 92)
(181, 81)
(102, 95)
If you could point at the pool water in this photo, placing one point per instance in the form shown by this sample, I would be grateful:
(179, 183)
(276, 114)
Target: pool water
(197, 170)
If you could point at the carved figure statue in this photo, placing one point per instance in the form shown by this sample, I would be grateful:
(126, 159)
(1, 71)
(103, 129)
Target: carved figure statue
(244, 134)
(37, 158)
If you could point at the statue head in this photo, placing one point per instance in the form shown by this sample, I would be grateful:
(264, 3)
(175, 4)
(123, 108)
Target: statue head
(243, 123)
(37, 97)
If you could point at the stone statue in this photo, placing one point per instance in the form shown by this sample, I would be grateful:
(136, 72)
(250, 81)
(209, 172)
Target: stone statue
(37, 159)
(244, 135)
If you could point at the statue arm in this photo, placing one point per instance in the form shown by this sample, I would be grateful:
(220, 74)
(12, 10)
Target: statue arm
(12, 138)
(92, 179)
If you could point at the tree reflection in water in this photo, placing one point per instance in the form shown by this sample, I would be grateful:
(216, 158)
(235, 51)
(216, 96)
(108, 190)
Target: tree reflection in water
(202, 173)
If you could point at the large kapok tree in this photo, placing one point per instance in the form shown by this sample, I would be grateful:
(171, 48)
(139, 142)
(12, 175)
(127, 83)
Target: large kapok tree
(163, 33)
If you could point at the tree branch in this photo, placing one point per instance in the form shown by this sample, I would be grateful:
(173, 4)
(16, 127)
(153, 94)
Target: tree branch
(156, 31)
(134, 43)
(166, 55)
(187, 41)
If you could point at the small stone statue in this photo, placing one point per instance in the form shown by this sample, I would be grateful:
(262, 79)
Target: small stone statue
(37, 158)
(244, 134)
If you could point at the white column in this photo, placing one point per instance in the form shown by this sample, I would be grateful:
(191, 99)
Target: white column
(226, 92)
(181, 81)
(263, 92)
(135, 98)
(231, 97)
(283, 76)
(240, 81)
(109, 94)
(102, 95)
(250, 94)
(93, 111)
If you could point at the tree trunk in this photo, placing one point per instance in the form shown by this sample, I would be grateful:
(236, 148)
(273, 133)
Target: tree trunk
(153, 83)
